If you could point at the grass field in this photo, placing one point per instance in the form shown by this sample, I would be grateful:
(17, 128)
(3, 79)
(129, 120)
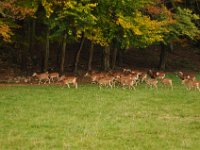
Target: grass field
(53, 117)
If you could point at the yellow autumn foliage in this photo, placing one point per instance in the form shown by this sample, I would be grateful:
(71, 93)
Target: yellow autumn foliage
(97, 37)
(48, 7)
(143, 26)
(5, 32)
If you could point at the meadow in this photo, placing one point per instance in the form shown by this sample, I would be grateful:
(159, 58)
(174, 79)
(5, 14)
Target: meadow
(87, 118)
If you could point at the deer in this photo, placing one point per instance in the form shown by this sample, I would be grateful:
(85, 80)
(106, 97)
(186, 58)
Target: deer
(116, 74)
(152, 83)
(167, 82)
(61, 78)
(94, 76)
(42, 76)
(184, 76)
(142, 77)
(53, 75)
(128, 82)
(191, 84)
(70, 80)
(126, 70)
(156, 74)
(106, 81)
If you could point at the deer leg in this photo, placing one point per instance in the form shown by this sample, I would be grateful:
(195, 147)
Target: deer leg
(172, 87)
(39, 82)
(100, 86)
(113, 84)
(76, 85)
(133, 87)
(110, 84)
(44, 82)
(68, 85)
(49, 80)
(198, 88)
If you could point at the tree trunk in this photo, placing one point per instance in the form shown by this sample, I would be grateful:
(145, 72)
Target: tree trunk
(63, 52)
(91, 52)
(106, 58)
(114, 58)
(32, 40)
(46, 55)
(78, 54)
(24, 58)
(58, 56)
(24, 49)
(121, 57)
(163, 58)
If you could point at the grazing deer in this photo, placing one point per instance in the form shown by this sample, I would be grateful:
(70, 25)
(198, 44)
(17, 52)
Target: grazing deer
(191, 84)
(167, 82)
(53, 75)
(41, 77)
(152, 83)
(70, 80)
(184, 76)
(61, 78)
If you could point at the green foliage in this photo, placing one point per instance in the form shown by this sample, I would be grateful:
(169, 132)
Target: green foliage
(123, 23)
(181, 23)
(185, 25)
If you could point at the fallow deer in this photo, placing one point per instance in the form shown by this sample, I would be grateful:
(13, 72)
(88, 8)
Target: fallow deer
(53, 76)
(167, 82)
(70, 80)
(184, 76)
(41, 77)
(152, 83)
(191, 84)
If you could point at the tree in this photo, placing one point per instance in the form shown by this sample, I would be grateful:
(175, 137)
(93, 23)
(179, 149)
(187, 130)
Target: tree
(124, 24)
(180, 25)
(10, 11)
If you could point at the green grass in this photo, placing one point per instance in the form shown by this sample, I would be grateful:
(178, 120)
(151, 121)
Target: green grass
(92, 119)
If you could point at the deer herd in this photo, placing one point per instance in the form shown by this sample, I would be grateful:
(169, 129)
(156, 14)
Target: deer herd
(126, 78)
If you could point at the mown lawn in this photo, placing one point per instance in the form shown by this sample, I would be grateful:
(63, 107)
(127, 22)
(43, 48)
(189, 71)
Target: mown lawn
(53, 117)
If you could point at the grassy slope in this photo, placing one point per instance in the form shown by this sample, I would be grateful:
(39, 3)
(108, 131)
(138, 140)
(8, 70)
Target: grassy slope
(89, 118)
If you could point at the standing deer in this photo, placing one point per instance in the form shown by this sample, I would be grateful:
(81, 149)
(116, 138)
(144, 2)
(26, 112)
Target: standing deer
(184, 76)
(156, 74)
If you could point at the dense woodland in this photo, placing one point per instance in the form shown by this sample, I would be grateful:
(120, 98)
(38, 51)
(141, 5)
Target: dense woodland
(37, 34)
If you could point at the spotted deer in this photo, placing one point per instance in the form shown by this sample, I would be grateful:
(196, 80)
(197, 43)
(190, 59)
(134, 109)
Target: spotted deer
(42, 77)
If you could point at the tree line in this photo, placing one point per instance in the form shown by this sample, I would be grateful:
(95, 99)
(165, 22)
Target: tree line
(28, 25)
